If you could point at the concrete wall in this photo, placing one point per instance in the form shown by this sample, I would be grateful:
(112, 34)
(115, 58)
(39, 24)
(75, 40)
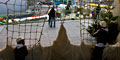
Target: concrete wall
(116, 11)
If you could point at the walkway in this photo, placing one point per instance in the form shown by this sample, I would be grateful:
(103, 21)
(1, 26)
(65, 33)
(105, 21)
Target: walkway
(49, 34)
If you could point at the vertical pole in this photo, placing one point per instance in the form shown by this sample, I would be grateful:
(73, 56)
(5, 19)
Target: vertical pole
(7, 22)
(80, 21)
(27, 4)
(7, 26)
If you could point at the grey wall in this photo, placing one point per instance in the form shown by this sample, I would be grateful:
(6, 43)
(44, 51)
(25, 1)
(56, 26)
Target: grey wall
(12, 8)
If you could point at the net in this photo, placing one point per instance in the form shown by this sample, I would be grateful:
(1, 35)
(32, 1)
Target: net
(27, 19)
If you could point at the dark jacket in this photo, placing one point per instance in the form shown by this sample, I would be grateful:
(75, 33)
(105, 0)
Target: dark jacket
(52, 12)
(20, 53)
(98, 9)
(102, 35)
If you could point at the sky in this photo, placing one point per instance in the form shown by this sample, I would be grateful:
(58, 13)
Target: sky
(11, 7)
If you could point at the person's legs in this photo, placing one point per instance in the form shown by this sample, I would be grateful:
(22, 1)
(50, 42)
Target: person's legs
(96, 15)
(51, 21)
(97, 53)
(100, 53)
(54, 21)
(94, 54)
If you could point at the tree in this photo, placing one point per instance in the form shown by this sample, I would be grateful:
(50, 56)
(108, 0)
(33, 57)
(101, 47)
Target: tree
(68, 10)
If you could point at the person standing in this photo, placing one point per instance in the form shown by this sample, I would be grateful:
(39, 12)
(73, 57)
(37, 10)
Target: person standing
(20, 51)
(98, 8)
(49, 15)
(52, 16)
(102, 37)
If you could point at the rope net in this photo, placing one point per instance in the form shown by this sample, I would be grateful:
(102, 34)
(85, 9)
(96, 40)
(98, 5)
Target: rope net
(21, 18)
(27, 19)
